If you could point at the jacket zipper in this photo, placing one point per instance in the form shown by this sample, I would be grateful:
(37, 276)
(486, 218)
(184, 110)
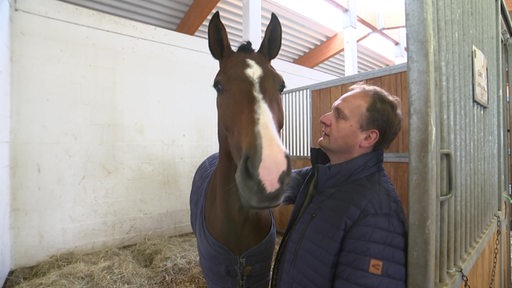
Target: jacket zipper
(241, 274)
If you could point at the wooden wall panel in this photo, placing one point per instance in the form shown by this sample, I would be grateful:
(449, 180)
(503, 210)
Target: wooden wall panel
(321, 102)
(398, 172)
(300, 162)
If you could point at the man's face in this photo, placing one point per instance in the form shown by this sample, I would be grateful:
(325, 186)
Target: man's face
(341, 134)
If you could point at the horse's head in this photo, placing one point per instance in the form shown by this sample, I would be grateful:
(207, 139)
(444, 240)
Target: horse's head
(250, 114)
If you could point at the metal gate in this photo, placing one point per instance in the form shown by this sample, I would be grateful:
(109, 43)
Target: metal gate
(458, 148)
(296, 132)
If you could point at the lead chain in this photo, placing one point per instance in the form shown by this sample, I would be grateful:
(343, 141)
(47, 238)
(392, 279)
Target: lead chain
(464, 277)
(496, 250)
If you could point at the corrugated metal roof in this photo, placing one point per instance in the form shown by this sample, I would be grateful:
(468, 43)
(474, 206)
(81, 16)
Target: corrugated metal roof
(300, 34)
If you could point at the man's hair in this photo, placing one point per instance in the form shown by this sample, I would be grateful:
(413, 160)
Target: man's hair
(383, 113)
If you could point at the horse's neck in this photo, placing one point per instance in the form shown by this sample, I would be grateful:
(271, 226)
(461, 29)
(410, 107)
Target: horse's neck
(227, 220)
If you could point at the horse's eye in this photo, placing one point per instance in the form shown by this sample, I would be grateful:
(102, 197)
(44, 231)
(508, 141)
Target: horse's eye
(218, 87)
(282, 87)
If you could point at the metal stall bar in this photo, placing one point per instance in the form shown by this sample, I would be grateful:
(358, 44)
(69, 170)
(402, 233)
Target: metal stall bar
(423, 144)
(443, 48)
(296, 132)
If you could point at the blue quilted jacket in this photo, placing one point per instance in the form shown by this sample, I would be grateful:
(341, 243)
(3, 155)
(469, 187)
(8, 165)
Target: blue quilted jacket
(353, 232)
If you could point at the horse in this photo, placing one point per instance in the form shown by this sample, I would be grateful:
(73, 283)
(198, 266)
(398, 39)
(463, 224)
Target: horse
(234, 189)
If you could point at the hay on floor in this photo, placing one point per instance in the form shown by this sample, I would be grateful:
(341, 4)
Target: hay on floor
(163, 262)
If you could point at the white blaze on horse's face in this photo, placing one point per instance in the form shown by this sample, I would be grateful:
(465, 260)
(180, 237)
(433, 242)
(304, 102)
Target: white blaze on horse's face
(273, 154)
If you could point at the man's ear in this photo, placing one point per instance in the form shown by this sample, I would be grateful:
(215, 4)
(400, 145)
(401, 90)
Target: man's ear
(371, 137)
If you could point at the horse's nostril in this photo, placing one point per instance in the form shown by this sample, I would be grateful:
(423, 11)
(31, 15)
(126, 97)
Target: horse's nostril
(248, 166)
(248, 170)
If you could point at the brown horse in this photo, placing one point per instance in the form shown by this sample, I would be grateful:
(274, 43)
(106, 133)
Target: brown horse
(233, 189)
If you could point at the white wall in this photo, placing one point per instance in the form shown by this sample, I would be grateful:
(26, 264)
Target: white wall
(5, 243)
(110, 119)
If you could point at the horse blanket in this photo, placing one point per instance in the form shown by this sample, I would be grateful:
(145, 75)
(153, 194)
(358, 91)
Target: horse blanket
(221, 268)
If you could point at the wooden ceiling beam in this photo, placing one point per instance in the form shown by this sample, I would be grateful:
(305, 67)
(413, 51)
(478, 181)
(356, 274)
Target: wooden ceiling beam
(195, 16)
(508, 3)
(330, 48)
(377, 30)
(370, 20)
(335, 45)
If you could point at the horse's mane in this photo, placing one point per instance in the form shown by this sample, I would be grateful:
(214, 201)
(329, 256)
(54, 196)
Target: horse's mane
(245, 47)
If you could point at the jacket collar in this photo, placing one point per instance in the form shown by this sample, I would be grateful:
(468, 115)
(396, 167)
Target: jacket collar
(331, 175)
(318, 156)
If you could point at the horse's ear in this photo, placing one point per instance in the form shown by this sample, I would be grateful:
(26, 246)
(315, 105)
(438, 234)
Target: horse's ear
(271, 43)
(218, 41)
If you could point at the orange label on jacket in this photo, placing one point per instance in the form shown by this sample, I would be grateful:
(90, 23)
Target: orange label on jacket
(375, 266)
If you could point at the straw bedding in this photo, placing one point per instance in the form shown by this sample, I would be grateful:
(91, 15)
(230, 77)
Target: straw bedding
(162, 262)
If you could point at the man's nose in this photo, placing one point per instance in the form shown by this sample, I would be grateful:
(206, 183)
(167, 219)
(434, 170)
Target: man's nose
(324, 118)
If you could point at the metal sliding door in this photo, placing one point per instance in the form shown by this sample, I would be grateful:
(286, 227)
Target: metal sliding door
(457, 170)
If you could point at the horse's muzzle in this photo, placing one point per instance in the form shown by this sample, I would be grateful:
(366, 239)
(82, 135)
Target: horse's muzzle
(253, 193)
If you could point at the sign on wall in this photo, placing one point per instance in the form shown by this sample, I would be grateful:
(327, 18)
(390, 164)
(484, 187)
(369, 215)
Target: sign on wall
(480, 77)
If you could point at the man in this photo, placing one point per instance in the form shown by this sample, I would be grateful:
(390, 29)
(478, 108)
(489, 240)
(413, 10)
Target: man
(348, 227)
